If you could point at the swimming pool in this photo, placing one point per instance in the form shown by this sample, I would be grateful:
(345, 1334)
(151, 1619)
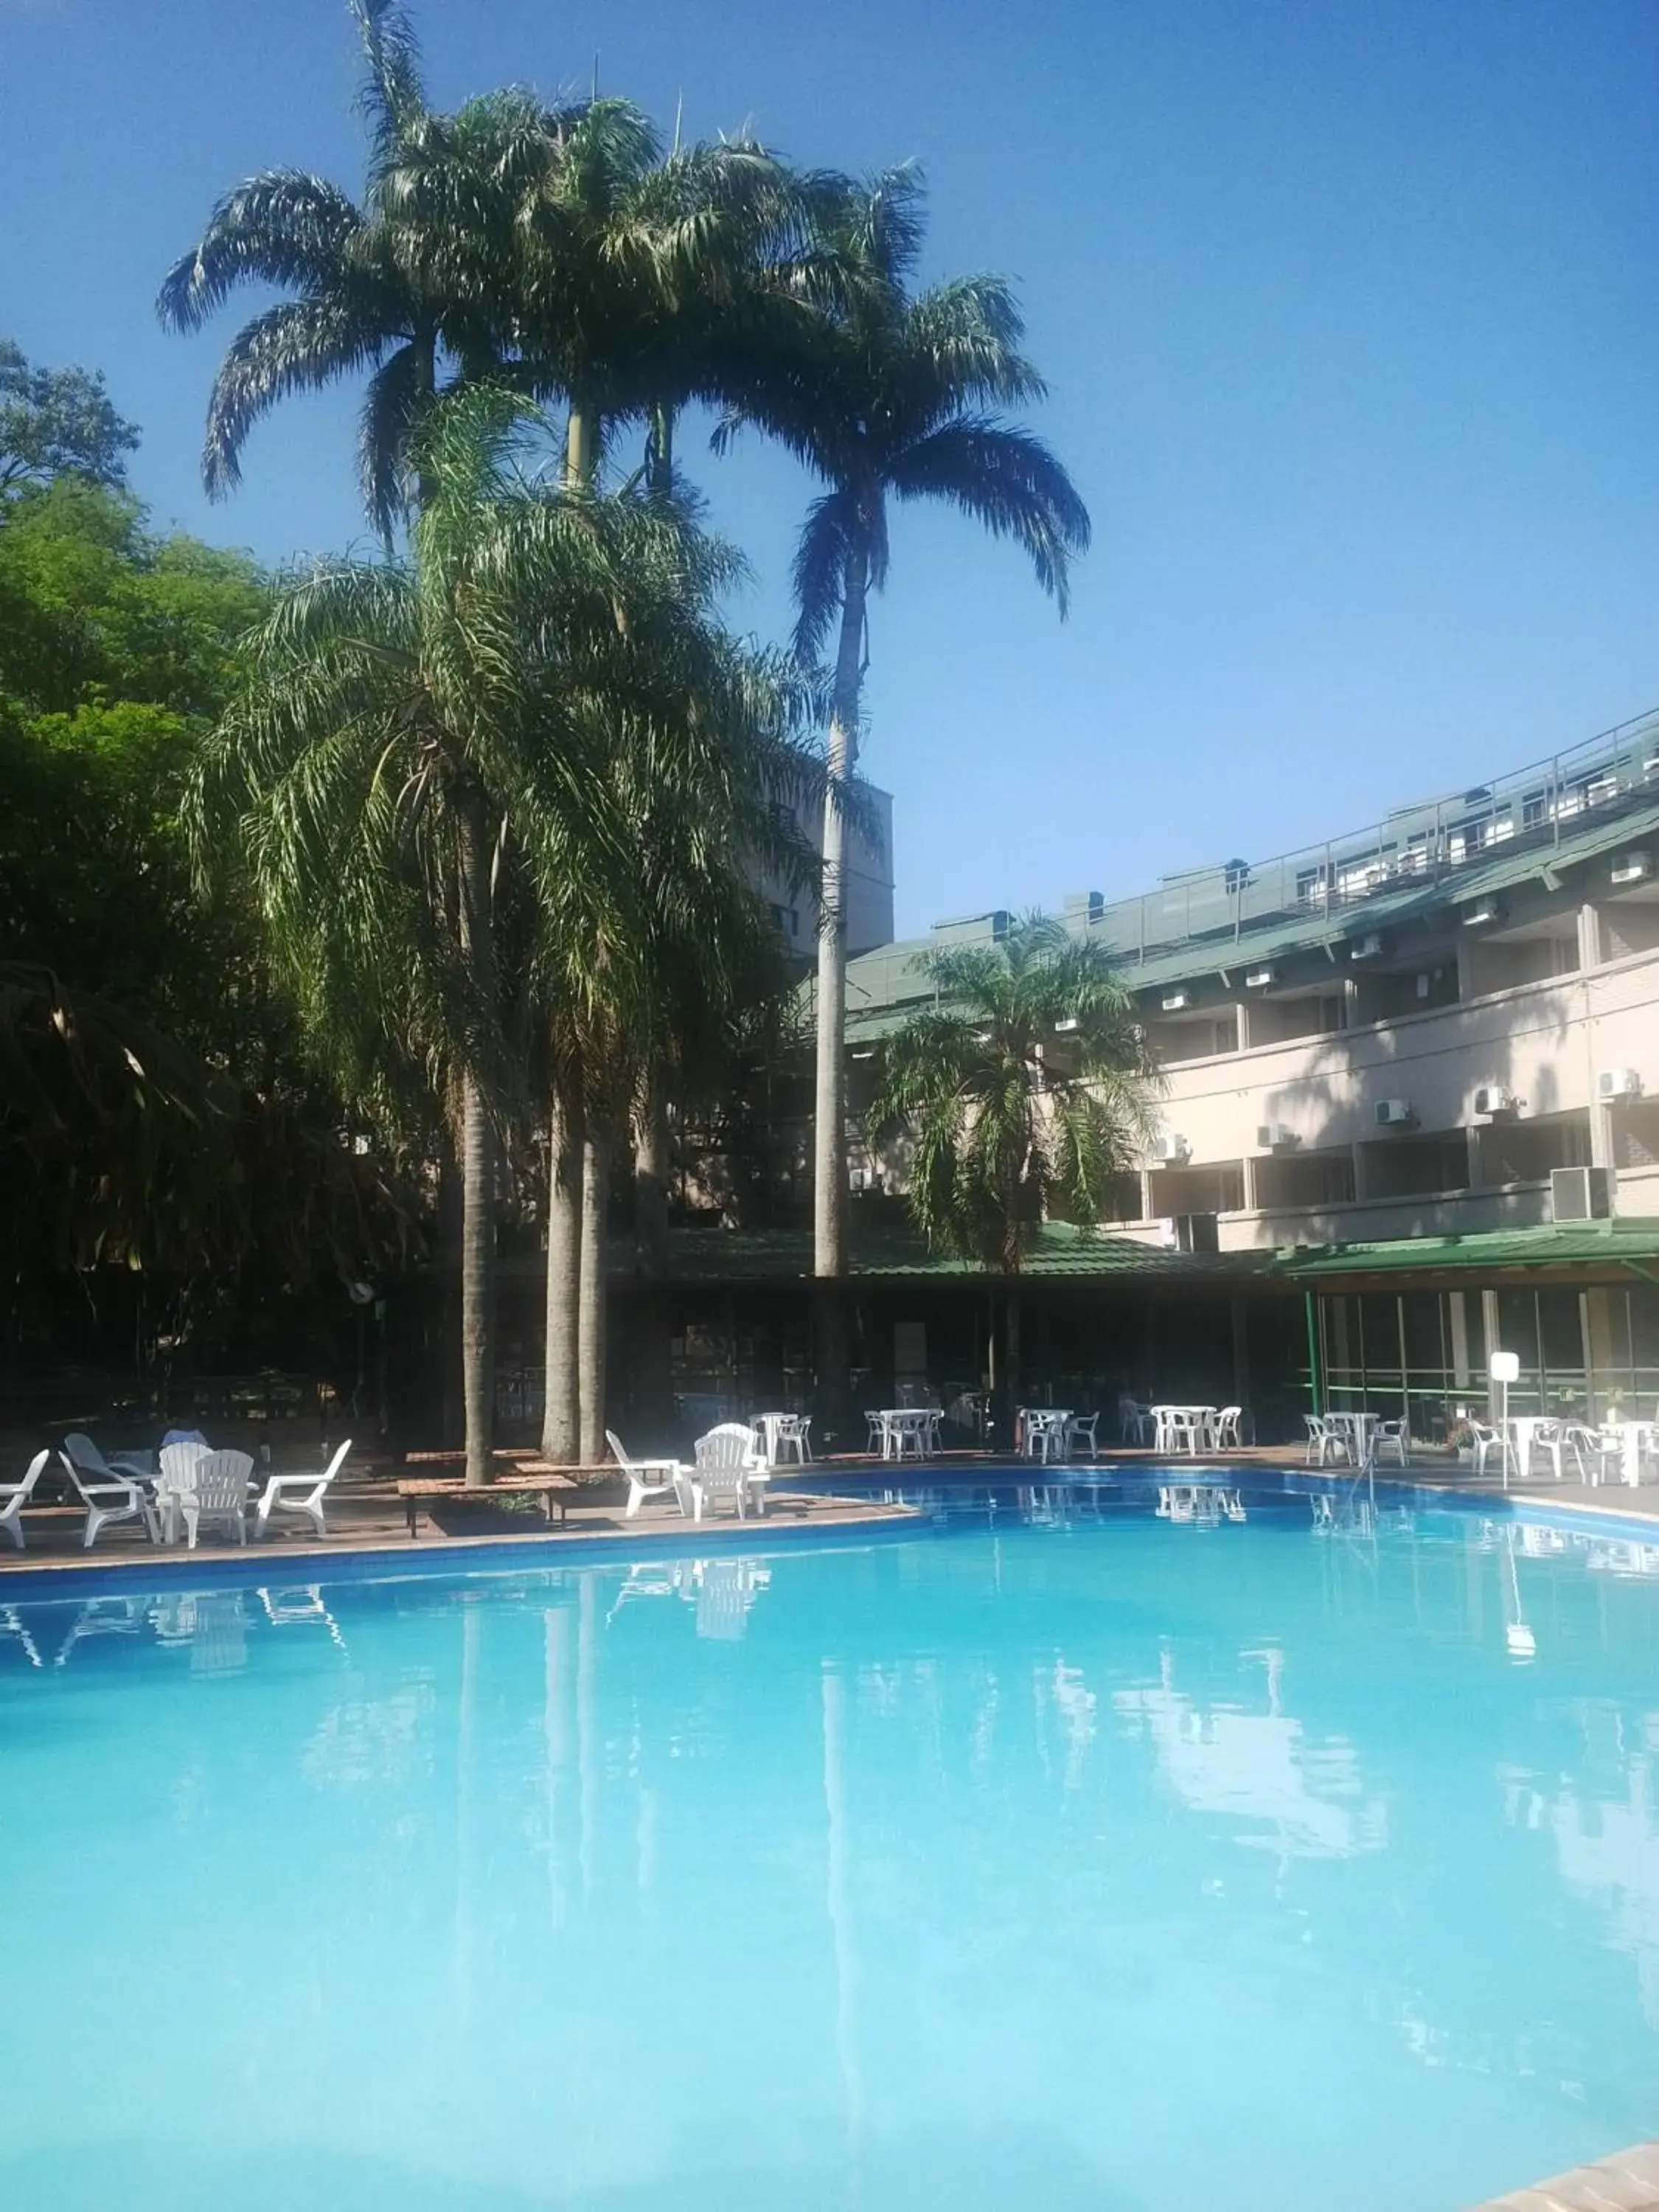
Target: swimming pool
(1101, 1861)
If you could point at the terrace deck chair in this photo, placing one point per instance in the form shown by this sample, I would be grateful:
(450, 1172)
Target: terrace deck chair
(1487, 1441)
(1392, 1436)
(1080, 1429)
(729, 1466)
(14, 1496)
(108, 1497)
(647, 1478)
(217, 1494)
(176, 1465)
(298, 1493)
(1325, 1444)
(1596, 1450)
(81, 1451)
(1224, 1430)
(1133, 1420)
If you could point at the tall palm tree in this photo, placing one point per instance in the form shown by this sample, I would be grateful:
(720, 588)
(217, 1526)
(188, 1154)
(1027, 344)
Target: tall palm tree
(413, 283)
(889, 393)
(1027, 1090)
(402, 746)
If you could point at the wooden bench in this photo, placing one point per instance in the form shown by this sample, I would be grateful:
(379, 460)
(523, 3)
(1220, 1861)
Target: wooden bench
(414, 1490)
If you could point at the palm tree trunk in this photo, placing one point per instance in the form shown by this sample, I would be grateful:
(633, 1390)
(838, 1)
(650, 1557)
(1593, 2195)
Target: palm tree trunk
(581, 449)
(596, 1161)
(560, 1422)
(478, 1151)
(829, 1108)
(651, 1179)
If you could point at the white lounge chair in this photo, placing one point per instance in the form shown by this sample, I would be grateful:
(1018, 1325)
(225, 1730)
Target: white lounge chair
(298, 1493)
(14, 1496)
(109, 1497)
(729, 1466)
(217, 1493)
(647, 1478)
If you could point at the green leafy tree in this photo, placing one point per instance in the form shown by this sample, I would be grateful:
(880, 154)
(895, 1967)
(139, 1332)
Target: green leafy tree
(56, 422)
(890, 393)
(1026, 1092)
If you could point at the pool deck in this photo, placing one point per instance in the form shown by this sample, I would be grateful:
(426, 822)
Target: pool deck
(1624, 2181)
(367, 1516)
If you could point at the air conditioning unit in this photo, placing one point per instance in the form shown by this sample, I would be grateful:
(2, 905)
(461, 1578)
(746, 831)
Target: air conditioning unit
(1174, 1001)
(1395, 1113)
(1365, 948)
(1274, 1137)
(1171, 1150)
(1632, 868)
(1492, 1098)
(1483, 911)
(1618, 1082)
(1257, 979)
(1581, 1194)
(1198, 1232)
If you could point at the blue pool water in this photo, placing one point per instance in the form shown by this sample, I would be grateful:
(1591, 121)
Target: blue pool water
(1102, 1862)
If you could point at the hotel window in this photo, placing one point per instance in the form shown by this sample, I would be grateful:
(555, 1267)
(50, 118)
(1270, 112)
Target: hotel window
(788, 920)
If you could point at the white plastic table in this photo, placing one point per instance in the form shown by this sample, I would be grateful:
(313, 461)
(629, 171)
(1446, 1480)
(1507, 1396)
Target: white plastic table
(1043, 1431)
(906, 1431)
(1202, 1421)
(1357, 1430)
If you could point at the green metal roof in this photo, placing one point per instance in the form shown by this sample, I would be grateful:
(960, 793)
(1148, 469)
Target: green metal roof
(884, 986)
(1618, 1249)
(757, 1256)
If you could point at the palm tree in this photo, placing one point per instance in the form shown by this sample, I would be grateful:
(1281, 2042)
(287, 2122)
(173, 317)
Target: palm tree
(414, 283)
(405, 745)
(892, 394)
(1027, 1091)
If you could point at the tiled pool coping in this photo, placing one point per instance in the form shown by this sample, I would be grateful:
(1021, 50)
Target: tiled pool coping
(1624, 2181)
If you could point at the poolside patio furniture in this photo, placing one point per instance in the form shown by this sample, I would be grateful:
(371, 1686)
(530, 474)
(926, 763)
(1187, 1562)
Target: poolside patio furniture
(214, 1490)
(298, 1493)
(1534, 1433)
(1355, 1433)
(1324, 1443)
(418, 1490)
(1486, 1442)
(81, 1452)
(1182, 1428)
(1135, 1420)
(109, 1498)
(647, 1478)
(729, 1464)
(1043, 1432)
(1081, 1428)
(174, 1472)
(1392, 1436)
(14, 1496)
(781, 1436)
(908, 1431)
(1224, 1429)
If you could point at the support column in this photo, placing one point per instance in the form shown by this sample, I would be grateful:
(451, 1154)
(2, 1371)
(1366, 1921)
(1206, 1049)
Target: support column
(1489, 1330)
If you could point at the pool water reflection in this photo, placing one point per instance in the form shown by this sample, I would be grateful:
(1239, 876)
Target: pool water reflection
(1075, 1857)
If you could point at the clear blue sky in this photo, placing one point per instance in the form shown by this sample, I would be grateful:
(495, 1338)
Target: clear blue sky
(1351, 313)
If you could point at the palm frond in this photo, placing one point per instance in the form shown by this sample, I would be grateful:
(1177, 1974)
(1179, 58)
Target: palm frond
(1010, 481)
(283, 227)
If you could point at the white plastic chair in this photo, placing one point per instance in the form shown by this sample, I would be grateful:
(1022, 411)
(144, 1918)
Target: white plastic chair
(1392, 1436)
(81, 1452)
(1080, 1429)
(728, 1466)
(647, 1478)
(1178, 1432)
(298, 1493)
(1596, 1450)
(1487, 1441)
(792, 1434)
(1224, 1430)
(875, 1437)
(217, 1493)
(109, 1498)
(14, 1496)
(1133, 1420)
